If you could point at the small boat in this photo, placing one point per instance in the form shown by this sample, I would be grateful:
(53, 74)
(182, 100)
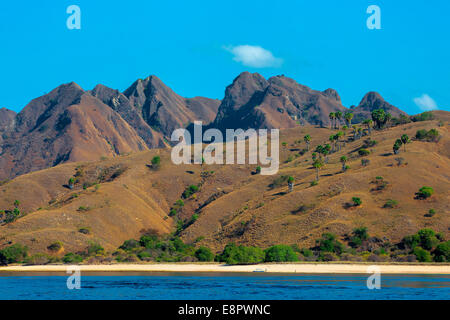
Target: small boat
(259, 270)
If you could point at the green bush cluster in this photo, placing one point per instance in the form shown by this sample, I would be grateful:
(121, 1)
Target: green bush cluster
(431, 135)
(190, 191)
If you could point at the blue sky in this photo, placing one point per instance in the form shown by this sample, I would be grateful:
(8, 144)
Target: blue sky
(199, 47)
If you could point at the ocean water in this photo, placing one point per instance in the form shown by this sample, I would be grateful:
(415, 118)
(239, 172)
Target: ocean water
(257, 286)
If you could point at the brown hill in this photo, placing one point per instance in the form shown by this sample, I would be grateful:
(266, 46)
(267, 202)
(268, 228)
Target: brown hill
(233, 204)
(370, 102)
(67, 124)
(280, 102)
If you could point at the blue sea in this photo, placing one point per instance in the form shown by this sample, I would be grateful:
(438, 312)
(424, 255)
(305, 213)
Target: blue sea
(208, 286)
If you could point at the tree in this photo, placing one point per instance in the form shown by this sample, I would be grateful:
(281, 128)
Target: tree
(388, 119)
(16, 203)
(333, 139)
(318, 164)
(442, 252)
(349, 116)
(343, 161)
(71, 182)
(428, 239)
(329, 243)
(397, 144)
(204, 254)
(280, 253)
(344, 129)
(156, 162)
(339, 135)
(291, 183)
(368, 123)
(338, 116)
(422, 255)
(307, 139)
(15, 253)
(355, 130)
(332, 117)
(379, 116)
(405, 139)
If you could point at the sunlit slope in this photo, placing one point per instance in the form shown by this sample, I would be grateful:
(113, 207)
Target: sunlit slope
(234, 205)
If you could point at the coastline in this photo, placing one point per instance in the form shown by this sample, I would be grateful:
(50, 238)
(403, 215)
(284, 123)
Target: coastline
(300, 268)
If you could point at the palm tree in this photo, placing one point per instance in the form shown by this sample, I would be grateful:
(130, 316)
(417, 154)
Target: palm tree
(388, 119)
(291, 184)
(343, 161)
(339, 117)
(368, 123)
(325, 151)
(307, 139)
(318, 163)
(355, 129)
(332, 116)
(379, 116)
(360, 130)
(397, 144)
(333, 140)
(405, 139)
(339, 135)
(349, 116)
(344, 129)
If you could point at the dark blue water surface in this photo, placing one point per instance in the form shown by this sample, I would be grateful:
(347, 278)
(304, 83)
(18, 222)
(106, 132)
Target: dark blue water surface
(188, 286)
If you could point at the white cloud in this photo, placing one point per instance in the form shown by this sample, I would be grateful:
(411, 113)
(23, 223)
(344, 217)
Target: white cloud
(425, 102)
(254, 56)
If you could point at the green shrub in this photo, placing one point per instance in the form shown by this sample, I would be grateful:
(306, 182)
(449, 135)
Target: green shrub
(280, 253)
(356, 201)
(94, 248)
(363, 152)
(15, 253)
(233, 254)
(306, 252)
(72, 258)
(442, 252)
(314, 183)
(129, 245)
(427, 238)
(190, 191)
(430, 213)
(424, 116)
(422, 255)
(424, 192)
(204, 254)
(432, 135)
(329, 243)
(55, 246)
(390, 204)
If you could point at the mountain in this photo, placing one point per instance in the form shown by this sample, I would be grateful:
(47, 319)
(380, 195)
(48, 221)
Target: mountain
(6, 123)
(67, 124)
(279, 102)
(70, 124)
(164, 110)
(120, 103)
(370, 102)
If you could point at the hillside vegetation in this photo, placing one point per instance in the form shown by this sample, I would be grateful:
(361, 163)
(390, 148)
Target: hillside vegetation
(100, 204)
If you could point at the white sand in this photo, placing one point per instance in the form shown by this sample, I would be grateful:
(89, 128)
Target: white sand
(273, 268)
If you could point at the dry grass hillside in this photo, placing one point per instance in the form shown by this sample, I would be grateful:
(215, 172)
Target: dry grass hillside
(123, 197)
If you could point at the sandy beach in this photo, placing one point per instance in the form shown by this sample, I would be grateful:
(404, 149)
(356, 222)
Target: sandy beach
(340, 268)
